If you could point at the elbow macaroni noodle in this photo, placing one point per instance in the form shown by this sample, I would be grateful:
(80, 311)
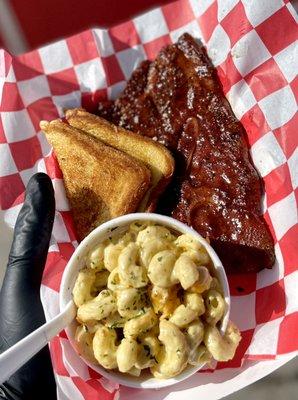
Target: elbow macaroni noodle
(147, 299)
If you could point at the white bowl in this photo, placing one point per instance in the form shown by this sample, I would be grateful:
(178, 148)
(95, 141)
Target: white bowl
(145, 380)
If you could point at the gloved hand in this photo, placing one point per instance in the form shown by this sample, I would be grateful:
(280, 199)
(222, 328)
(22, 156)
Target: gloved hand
(21, 311)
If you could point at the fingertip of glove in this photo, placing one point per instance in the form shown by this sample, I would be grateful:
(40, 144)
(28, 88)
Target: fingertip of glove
(40, 192)
(41, 181)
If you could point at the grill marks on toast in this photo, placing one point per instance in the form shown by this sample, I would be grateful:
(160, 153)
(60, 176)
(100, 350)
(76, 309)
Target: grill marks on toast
(155, 156)
(100, 182)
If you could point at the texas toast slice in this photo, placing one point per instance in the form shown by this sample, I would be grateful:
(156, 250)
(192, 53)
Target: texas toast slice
(101, 182)
(155, 156)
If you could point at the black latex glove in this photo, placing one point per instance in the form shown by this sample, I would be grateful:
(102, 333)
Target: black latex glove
(21, 311)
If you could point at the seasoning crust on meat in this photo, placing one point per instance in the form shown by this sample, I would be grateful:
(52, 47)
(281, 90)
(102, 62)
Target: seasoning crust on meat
(178, 100)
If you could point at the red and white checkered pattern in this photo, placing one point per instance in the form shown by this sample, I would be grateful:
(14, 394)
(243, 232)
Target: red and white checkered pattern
(254, 45)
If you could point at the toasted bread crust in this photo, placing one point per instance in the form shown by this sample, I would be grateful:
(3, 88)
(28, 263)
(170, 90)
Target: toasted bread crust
(156, 157)
(101, 182)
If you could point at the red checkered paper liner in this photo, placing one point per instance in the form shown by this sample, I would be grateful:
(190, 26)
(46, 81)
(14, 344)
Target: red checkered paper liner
(253, 45)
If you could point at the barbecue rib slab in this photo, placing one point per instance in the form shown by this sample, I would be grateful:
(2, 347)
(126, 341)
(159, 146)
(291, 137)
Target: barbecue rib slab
(178, 100)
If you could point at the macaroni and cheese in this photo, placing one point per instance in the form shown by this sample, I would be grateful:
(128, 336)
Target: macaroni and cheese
(148, 299)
